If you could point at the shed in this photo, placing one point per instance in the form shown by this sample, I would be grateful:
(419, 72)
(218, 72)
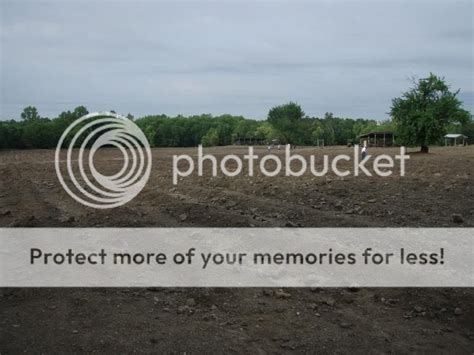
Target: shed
(453, 138)
(378, 139)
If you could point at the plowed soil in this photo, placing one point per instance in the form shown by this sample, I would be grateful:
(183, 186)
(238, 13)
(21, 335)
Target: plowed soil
(437, 191)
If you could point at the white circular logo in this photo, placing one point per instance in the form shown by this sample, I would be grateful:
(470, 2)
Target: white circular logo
(88, 134)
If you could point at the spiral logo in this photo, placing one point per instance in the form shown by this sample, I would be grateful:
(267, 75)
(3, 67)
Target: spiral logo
(83, 138)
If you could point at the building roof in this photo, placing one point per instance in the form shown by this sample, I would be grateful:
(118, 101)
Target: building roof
(455, 135)
(381, 133)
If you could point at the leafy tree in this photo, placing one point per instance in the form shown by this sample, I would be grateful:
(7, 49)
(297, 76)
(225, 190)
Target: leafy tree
(266, 131)
(69, 116)
(329, 126)
(286, 119)
(211, 138)
(318, 133)
(80, 111)
(3, 137)
(423, 113)
(467, 129)
(246, 128)
(30, 113)
(38, 135)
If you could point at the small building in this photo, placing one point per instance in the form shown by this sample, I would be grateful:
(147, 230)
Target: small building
(378, 139)
(454, 139)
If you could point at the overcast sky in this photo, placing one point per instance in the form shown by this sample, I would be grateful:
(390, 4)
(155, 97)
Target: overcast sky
(242, 58)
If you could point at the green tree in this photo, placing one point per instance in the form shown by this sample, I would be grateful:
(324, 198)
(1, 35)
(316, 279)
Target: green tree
(211, 138)
(318, 133)
(468, 129)
(38, 135)
(266, 131)
(286, 119)
(329, 128)
(30, 113)
(69, 116)
(423, 113)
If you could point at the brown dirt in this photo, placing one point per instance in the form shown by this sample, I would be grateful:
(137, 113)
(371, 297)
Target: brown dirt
(437, 186)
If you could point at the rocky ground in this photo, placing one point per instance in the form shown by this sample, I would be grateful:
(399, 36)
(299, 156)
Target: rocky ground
(437, 191)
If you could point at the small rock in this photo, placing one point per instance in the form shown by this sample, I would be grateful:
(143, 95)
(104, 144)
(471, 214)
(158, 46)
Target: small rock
(183, 309)
(330, 301)
(183, 217)
(209, 317)
(282, 294)
(290, 224)
(418, 309)
(373, 200)
(191, 302)
(345, 325)
(457, 218)
(66, 219)
(457, 311)
(231, 204)
(75, 331)
(268, 292)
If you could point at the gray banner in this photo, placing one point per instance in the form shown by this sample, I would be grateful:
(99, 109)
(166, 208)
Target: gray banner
(237, 257)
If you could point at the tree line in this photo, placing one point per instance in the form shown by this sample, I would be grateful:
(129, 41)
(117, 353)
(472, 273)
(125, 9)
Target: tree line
(34, 131)
(420, 117)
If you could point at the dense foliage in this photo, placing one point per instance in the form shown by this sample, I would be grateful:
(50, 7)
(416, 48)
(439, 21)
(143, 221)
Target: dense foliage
(424, 113)
(286, 123)
(34, 131)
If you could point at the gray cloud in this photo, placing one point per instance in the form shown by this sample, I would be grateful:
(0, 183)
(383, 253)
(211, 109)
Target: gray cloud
(350, 58)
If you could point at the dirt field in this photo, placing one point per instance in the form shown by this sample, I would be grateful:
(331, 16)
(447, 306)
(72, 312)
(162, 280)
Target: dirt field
(437, 191)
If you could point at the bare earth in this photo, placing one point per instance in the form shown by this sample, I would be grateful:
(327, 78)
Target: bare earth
(437, 186)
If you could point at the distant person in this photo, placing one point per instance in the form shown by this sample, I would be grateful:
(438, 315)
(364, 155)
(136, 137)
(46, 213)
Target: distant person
(364, 152)
(269, 147)
(279, 146)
